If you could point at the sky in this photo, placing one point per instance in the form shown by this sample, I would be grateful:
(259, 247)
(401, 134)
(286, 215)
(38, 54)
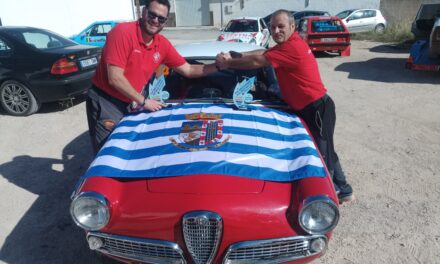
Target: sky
(63, 17)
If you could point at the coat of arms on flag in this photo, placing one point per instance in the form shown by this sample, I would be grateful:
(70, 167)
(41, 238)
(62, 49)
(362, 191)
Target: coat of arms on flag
(202, 131)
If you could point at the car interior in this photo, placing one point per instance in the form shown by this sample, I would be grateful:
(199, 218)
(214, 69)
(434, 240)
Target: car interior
(222, 84)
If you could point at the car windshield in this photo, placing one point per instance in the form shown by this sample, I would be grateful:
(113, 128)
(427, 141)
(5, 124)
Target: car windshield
(344, 14)
(243, 25)
(40, 39)
(220, 85)
(330, 25)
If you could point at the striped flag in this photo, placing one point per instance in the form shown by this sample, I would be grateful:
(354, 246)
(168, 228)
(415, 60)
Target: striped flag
(189, 139)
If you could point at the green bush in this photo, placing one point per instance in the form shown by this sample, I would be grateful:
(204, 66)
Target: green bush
(395, 33)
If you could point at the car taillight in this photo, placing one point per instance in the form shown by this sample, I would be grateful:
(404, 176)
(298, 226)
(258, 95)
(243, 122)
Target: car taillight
(220, 38)
(63, 66)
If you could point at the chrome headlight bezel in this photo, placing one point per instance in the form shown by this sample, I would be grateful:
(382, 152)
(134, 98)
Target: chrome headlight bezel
(313, 203)
(99, 203)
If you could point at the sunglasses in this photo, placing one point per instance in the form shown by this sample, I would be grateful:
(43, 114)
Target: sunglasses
(151, 15)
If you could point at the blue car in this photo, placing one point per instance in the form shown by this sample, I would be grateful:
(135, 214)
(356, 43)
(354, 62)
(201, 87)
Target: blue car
(95, 34)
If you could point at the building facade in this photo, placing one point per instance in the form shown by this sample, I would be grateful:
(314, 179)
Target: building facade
(70, 17)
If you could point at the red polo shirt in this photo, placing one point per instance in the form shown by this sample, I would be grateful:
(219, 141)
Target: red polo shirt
(126, 49)
(297, 72)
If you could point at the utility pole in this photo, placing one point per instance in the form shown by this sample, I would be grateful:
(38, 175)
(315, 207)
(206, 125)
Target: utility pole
(221, 13)
(138, 9)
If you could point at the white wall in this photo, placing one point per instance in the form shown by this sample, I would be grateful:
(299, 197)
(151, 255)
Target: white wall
(61, 16)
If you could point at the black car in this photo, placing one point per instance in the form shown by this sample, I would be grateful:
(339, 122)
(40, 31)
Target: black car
(424, 21)
(298, 15)
(268, 18)
(39, 66)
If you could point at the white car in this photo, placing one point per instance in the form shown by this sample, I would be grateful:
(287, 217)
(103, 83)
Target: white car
(360, 20)
(251, 30)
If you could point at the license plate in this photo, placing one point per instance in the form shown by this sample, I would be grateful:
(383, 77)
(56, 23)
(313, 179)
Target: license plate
(88, 62)
(328, 39)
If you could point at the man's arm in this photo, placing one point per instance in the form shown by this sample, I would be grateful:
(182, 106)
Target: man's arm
(253, 52)
(249, 60)
(195, 71)
(117, 79)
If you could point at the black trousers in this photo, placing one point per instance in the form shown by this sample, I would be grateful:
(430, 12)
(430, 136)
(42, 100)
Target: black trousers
(320, 117)
(103, 113)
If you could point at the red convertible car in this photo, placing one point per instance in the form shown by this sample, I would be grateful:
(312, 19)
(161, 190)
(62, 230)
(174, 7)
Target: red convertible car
(223, 174)
(325, 33)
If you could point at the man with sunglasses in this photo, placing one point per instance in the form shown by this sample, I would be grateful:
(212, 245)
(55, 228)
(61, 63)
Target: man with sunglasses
(133, 51)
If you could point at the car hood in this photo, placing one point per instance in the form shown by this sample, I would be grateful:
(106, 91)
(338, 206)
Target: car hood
(208, 148)
(205, 184)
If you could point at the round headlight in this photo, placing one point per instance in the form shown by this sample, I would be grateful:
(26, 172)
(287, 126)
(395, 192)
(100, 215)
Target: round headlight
(318, 215)
(90, 211)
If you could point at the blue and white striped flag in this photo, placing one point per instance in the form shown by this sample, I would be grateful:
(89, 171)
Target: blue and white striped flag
(193, 139)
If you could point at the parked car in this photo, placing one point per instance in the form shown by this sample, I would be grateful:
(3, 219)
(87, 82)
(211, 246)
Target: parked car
(361, 20)
(39, 66)
(223, 174)
(95, 34)
(424, 21)
(434, 40)
(251, 30)
(305, 13)
(325, 34)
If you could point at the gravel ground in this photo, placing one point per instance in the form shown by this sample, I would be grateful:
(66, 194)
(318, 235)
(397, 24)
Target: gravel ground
(387, 136)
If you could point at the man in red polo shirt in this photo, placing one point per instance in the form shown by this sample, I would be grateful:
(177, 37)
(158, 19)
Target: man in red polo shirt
(132, 52)
(301, 87)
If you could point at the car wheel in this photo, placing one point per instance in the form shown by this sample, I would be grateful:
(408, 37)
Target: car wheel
(17, 99)
(379, 29)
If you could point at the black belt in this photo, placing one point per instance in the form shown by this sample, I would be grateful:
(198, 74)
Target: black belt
(108, 97)
(316, 103)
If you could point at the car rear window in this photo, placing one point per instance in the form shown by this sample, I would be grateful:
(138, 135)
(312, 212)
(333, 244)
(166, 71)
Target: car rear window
(40, 39)
(242, 26)
(327, 26)
(429, 11)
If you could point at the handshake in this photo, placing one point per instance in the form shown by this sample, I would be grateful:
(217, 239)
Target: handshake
(221, 60)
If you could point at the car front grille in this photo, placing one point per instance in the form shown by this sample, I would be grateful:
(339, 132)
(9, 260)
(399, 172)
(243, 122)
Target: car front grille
(270, 251)
(138, 249)
(202, 231)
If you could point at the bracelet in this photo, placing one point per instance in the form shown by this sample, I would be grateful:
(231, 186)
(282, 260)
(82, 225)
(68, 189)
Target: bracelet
(143, 103)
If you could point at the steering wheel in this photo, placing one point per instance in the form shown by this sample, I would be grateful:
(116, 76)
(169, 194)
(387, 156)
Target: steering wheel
(212, 92)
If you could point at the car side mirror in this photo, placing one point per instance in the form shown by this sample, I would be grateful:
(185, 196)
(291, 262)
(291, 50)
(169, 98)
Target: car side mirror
(348, 19)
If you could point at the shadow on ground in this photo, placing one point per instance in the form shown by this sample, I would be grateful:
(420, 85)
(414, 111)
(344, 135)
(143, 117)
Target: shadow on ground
(387, 70)
(397, 48)
(46, 233)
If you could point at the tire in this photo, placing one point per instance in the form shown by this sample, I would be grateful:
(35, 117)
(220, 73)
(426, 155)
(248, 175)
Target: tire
(379, 29)
(17, 99)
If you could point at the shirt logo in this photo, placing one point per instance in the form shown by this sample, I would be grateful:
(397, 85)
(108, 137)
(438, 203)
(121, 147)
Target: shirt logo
(156, 57)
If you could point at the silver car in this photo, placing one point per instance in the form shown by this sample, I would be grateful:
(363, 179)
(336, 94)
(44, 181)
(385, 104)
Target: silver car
(361, 20)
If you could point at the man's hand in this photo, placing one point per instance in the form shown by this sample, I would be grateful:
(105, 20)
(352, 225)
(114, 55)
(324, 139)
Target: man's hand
(153, 105)
(221, 60)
